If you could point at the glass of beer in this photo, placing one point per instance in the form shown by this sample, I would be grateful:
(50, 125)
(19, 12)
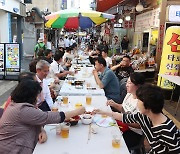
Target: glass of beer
(65, 99)
(116, 139)
(88, 99)
(65, 129)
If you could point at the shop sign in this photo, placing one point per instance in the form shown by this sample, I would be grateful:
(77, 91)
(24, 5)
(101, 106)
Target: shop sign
(174, 13)
(128, 24)
(12, 57)
(1, 57)
(2, 2)
(147, 20)
(170, 60)
(10, 6)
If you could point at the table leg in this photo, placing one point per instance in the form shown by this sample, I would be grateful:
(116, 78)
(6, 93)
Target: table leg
(177, 106)
(174, 87)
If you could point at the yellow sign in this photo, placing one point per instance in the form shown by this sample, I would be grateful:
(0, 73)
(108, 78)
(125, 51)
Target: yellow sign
(170, 60)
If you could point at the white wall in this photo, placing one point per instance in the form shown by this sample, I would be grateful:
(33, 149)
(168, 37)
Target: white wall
(4, 30)
(29, 39)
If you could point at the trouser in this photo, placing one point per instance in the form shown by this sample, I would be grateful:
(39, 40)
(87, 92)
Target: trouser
(131, 138)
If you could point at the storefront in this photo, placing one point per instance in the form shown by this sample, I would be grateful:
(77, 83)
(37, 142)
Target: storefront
(11, 13)
(146, 31)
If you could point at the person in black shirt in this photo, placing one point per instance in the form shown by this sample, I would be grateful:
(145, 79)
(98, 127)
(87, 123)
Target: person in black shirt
(123, 69)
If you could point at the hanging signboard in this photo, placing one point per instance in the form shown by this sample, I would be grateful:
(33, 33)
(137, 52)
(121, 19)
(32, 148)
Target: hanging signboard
(1, 57)
(12, 57)
(173, 13)
(170, 60)
(147, 20)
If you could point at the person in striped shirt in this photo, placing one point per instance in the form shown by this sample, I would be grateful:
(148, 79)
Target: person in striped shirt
(161, 133)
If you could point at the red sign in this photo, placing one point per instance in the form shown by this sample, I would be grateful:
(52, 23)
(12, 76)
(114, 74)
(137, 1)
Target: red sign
(128, 24)
(174, 42)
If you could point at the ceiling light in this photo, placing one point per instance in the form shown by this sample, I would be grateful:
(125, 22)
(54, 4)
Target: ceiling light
(139, 7)
(120, 21)
(128, 18)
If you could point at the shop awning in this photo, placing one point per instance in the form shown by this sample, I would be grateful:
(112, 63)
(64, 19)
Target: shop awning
(104, 5)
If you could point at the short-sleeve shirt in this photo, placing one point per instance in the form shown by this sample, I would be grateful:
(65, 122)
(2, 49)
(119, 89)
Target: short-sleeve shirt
(55, 68)
(108, 61)
(130, 106)
(124, 72)
(111, 85)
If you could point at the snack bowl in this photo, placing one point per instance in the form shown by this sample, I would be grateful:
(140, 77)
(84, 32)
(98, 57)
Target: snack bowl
(87, 119)
(74, 120)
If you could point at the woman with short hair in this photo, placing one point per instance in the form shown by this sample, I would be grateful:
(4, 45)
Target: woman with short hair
(161, 133)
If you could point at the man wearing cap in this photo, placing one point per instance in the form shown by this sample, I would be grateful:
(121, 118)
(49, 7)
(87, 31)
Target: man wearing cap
(40, 47)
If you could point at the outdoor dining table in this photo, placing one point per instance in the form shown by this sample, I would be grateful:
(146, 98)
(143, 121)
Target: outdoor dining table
(89, 86)
(81, 140)
(81, 60)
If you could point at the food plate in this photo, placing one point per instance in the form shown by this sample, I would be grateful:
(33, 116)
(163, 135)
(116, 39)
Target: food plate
(74, 120)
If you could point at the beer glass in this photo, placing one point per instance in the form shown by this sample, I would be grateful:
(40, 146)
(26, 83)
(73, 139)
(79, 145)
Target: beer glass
(65, 129)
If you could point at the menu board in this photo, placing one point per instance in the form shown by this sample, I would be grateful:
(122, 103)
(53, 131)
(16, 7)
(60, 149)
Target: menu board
(1, 57)
(12, 57)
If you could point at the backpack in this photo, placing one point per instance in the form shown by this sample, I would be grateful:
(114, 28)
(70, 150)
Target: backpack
(40, 50)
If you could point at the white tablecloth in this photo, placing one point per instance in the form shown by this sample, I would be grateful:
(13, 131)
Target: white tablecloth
(84, 74)
(77, 143)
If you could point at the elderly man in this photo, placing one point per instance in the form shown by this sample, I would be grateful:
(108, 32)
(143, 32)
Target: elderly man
(44, 101)
(107, 80)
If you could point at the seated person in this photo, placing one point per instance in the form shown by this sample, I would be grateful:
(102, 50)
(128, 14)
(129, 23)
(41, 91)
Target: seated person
(68, 55)
(21, 123)
(56, 68)
(160, 131)
(48, 55)
(107, 80)
(105, 56)
(123, 69)
(131, 132)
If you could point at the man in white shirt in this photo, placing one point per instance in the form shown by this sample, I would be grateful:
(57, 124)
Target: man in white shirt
(56, 68)
(44, 101)
(105, 56)
(66, 41)
(61, 43)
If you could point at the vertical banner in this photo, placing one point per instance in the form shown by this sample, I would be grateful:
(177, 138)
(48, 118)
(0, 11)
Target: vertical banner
(170, 60)
(1, 57)
(12, 57)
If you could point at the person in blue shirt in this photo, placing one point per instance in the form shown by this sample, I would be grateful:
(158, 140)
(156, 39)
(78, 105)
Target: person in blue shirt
(107, 80)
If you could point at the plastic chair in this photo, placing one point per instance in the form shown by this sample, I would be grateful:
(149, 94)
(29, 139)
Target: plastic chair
(139, 147)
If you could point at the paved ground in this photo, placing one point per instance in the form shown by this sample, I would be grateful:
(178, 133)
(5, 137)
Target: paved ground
(7, 86)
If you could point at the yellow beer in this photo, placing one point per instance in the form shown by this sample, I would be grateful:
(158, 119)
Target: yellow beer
(88, 100)
(64, 132)
(65, 100)
(116, 143)
(104, 116)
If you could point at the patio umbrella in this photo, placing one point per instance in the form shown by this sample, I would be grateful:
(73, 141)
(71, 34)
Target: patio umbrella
(75, 18)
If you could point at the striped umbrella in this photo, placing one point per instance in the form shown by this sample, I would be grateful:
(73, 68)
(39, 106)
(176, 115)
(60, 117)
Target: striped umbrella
(75, 18)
